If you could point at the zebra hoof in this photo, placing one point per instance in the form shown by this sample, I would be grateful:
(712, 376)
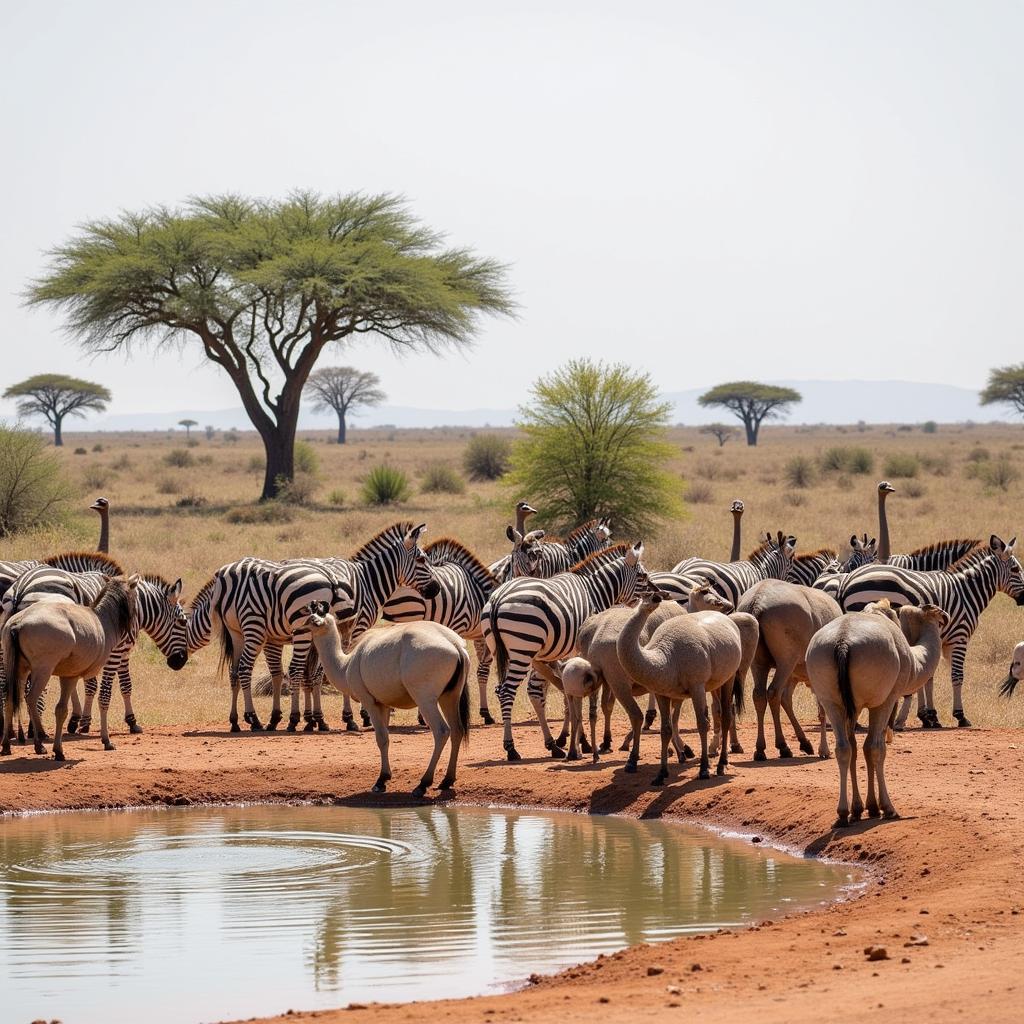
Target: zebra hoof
(255, 725)
(511, 754)
(365, 716)
(275, 718)
(350, 726)
(687, 750)
(5, 750)
(321, 725)
(446, 784)
(38, 747)
(659, 780)
(735, 748)
(107, 745)
(84, 726)
(605, 748)
(293, 721)
(486, 716)
(805, 747)
(704, 773)
(681, 757)
(561, 741)
(720, 770)
(72, 726)
(380, 787)
(310, 726)
(133, 726)
(572, 756)
(586, 747)
(962, 721)
(420, 791)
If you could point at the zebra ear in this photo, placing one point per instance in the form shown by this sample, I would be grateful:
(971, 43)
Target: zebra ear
(635, 553)
(996, 544)
(174, 592)
(855, 542)
(413, 536)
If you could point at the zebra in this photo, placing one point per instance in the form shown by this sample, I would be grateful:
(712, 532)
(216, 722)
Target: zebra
(533, 622)
(465, 585)
(962, 591)
(10, 571)
(554, 555)
(731, 580)
(159, 614)
(933, 557)
(810, 567)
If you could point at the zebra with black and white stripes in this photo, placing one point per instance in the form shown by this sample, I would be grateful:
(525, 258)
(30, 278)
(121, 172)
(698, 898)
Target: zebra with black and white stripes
(808, 568)
(731, 580)
(465, 584)
(933, 557)
(10, 571)
(963, 592)
(551, 555)
(533, 622)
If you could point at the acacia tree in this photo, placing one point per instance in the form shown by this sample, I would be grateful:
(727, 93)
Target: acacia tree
(595, 445)
(261, 287)
(752, 403)
(55, 396)
(722, 432)
(343, 389)
(1005, 387)
(188, 425)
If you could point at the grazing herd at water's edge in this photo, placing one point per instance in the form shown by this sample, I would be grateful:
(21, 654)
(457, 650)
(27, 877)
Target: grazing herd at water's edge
(582, 614)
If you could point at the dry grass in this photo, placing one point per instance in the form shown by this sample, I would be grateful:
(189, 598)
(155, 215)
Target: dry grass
(149, 533)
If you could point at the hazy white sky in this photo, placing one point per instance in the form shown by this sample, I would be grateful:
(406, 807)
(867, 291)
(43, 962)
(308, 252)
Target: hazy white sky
(708, 190)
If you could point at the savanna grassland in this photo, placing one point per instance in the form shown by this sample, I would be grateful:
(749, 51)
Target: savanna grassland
(183, 510)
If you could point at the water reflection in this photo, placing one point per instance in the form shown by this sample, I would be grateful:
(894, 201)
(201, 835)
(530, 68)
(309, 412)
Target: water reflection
(266, 908)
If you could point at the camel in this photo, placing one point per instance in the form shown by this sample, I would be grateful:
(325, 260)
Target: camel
(102, 506)
(788, 615)
(598, 668)
(687, 656)
(871, 659)
(420, 665)
(59, 637)
(1013, 677)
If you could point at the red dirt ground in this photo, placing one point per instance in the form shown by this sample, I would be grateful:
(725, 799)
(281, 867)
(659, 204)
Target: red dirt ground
(949, 870)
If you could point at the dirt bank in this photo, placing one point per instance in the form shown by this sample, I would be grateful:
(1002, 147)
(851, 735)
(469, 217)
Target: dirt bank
(949, 873)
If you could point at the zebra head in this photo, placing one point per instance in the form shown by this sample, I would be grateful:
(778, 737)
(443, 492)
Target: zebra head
(862, 552)
(636, 578)
(162, 616)
(1011, 576)
(414, 568)
(525, 552)
(777, 553)
(603, 530)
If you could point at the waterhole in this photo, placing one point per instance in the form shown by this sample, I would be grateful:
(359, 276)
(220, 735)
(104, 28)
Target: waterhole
(216, 913)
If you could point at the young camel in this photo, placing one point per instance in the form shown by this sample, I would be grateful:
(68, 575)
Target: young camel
(420, 665)
(64, 639)
(598, 668)
(688, 656)
(871, 659)
(788, 615)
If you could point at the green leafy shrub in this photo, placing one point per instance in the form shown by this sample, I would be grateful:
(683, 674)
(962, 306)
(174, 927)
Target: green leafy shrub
(930, 427)
(179, 458)
(306, 459)
(81, 451)
(33, 489)
(97, 447)
(440, 478)
(297, 491)
(999, 473)
(385, 485)
(487, 457)
(800, 471)
(843, 459)
(902, 466)
(336, 497)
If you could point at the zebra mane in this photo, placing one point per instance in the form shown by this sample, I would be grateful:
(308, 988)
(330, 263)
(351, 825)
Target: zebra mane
(813, 556)
(598, 559)
(581, 531)
(387, 537)
(203, 594)
(973, 557)
(761, 552)
(94, 561)
(447, 549)
(156, 579)
(947, 545)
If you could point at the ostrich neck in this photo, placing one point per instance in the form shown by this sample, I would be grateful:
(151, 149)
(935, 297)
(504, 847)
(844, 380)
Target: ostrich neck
(639, 662)
(521, 518)
(735, 555)
(883, 529)
(104, 542)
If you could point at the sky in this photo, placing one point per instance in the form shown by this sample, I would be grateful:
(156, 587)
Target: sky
(707, 191)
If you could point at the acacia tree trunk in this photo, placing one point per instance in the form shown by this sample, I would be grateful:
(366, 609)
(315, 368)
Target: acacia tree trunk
(751, 425)
(58, 437)
(341, 426)
(279, 446)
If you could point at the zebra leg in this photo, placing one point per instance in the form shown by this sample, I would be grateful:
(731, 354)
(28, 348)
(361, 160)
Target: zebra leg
(683, 750)
(506, 692)
(76, 712)
(346, 714)
(106, 691)
(364, 717)
(90, 696)
(483, 670)
(36, 687)
(722, 702)
(537, 692)
(957, 664)
(125, 679)
(242, 673)
(272, 655)
(67, 684)
(651, 713)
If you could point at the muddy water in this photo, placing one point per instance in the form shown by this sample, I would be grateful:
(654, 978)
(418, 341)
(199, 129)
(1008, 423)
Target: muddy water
(213, 913)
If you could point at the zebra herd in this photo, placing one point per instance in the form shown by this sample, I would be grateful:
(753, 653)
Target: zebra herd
(524, 613)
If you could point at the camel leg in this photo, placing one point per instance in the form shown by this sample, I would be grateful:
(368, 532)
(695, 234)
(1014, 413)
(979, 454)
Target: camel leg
(449, 703)
(379, 717)
(37, 684)
(759, 670)
(716, 727)
(440, 731)
(682, 749)
(735, 747)
(871, 801)
(700, 712)
(67, 686)
(779, 684)
(877, 724)
(587, 745)
(837, 716)
(607, 707)
(857, 805)
(665, 711)
(8, 689)
(650, 713)
(574, 705)
(787, 705)
(593, 726)
(901, 718)
(636, 724)
(723, 701)
(483, 670)
(823, 751)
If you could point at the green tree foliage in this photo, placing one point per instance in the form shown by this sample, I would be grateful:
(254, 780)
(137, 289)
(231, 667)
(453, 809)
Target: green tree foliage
(343, 389)
(188, 425)
(722, 432)
(1005, 387)
(32, 485)
(262, 287)
(56, 396)
(595, 445)
(752, 403)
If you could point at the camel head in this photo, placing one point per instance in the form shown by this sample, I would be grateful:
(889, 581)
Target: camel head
(579, 678)
(704, 598)
(884, 488)
(914, 620)
(318, 617)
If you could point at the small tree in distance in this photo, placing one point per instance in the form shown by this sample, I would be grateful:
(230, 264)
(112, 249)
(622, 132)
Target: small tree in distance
(722, 431)
(1005, 387)
(487, 456)
(55, 396)
(343, 389)
(188, 425)
(595, 445)
(752, 403)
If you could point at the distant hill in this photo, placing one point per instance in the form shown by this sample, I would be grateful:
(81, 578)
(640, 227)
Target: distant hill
(825, 401)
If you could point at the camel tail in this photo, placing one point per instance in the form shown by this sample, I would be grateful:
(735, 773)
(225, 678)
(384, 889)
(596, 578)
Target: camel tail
(842, 656)
(460, 680)
(738, 696)
(12, 662)
(1008, 685)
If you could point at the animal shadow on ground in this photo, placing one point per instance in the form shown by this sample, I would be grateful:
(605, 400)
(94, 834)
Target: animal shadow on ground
(623, 788)
(856, 828)
(779, 762)
(34, 764)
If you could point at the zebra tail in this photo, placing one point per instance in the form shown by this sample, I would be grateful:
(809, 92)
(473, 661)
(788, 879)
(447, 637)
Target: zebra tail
(227, 649)
(1008, 685)
(842, 656)
(12, 661)
(500, 650)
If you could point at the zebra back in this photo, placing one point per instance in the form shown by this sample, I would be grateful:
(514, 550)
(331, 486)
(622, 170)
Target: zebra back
(933, 557)
(10, 571)
(85, 561)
